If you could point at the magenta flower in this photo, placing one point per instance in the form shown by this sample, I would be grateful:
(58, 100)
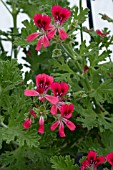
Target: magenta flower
(43, 83)
(43, 23)
(92, 160)
(66, 113)
(100, 33)
(60, 16)
(109, 158)
(59, 90)
(27, 123)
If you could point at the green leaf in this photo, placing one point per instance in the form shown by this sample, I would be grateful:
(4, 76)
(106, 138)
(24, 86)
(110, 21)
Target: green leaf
(62, 163)
(103, 92)
(15, 160)
(108, 144)
(21, 137)
(80, 17)
(87, 116)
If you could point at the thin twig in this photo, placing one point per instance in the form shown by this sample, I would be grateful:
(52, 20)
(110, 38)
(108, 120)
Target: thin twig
(3, 125)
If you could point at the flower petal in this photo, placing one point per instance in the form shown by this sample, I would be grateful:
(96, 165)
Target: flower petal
(69, 124)
(40, 80)
(31, 37)
(51, 99)
(54, 126)
(39, 44)
(56, 89)
(51, 33)
(43, 82)
(37, 19)
(63, 35)
(45, 22)
(66, 110)
(53, 110)
(56, 9)
(70, 111)
(50, 27)
(61, 130)
(41, 125)
(85, 164)
(31, 93)
(99, 160)
(60, 14)
(109, 158)
(65, 14)
(45, 41)
(64, 88)
(49, 80)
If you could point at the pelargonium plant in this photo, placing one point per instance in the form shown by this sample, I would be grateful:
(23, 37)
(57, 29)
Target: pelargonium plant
(58, 114)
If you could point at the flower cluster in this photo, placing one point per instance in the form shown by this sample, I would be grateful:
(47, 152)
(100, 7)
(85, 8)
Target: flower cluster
(92, 160)
(47, 31)
(59, 108)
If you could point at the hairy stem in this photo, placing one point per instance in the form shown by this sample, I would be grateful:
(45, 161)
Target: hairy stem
(14, 15)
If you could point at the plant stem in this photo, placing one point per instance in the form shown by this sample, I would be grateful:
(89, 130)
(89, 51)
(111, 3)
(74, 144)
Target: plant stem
(3, 125)
(74, 55)
(14, 15)
(1, 46)
(81, 28)
(56, 3)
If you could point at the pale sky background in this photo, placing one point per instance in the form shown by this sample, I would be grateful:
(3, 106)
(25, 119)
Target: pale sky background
(98, 6)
